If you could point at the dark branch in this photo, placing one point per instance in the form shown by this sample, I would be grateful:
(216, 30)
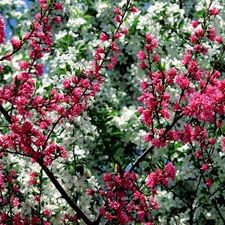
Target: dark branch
(140, 158)
(80, 213)
(6, 115)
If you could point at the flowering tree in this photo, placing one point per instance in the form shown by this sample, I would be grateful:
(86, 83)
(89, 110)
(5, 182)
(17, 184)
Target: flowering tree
(112, 112)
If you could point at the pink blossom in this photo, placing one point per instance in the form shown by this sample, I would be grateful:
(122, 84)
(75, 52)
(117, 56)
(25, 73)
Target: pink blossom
(2, 178)
(141, 55)
(2, 33)
(219, 124)
(154, 43)
(155, 58)
(117, 11)
(182, 81)
(143, 65)
(3, 216)
(108, 216)
(74, 218)
(114, 47)
(205, 167)
(173, 72)
(110, 66)
(148, 47)
(26, 37)
(176, 107)
(100, 50)
(170, 170)
(214, 11)
(223, 144)
(144, 85)
(212, 141)
(133, 9)
(198, 154)
(209, 183)
(110, 193)
(15, 201)
(107, 177)
(66, 84)
(212, 34)
(85, 83)
(152, 180)
(117, 35)
(193, 38)
(199, 32)
(1, 68)
(194, 23)
(39, 69)
(218, 39)
(23, 65)
(147, 117)
(38, 16)
(113, 59)
(186, 59)
(57, 19)
(90, 192)
(149, 37)
(153, 203)
(43, 4)
(117, 19)
(58, 6)
(102, 211)
(7, 57)
(95, 87)
(15, 188)
(125, 31)
(32, 181)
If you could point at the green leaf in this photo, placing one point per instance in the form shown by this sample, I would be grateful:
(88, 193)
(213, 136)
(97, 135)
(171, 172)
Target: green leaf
(181, 24)
(161, 66)
(201, 14)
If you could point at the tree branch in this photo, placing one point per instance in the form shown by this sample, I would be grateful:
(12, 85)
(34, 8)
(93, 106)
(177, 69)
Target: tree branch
(80, 213)
(5, 114)
(140, 158)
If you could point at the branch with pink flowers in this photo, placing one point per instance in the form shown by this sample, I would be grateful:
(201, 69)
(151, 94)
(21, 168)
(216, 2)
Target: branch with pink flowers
(191, 119)
(29, 139)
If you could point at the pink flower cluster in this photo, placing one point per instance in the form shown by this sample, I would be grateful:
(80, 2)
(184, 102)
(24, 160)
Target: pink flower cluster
(154, 96)
(111, 61)
(66, 103)
(2, 36)
(2, 32)
(150, 45)
(24, 135)
(9, 192)
(207, 100)
(201, 98)
(124, 202)
(157, 104)
(160, 177)
(32, 139)
(119, 15)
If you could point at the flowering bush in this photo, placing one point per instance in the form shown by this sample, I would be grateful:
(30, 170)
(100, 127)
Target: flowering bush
(112, 112)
